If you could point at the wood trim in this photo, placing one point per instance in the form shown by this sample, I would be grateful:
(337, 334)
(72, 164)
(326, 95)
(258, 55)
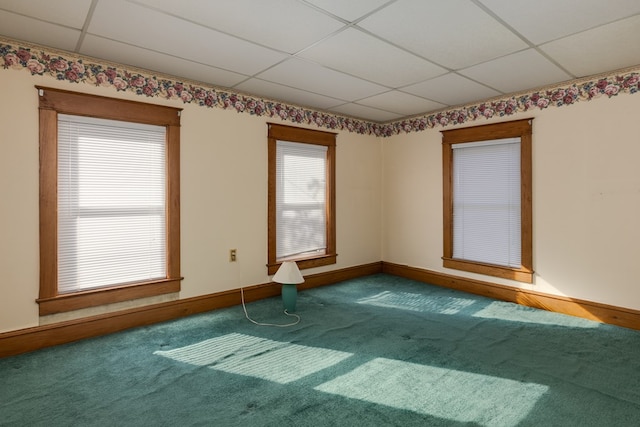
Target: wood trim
(517, 128)
(518, 274)
(330, 207)
(447, 200)
(173, 201)
(487, 132)
(48, 203)
(526, 202)
(52, 102)
(335, 276)
(82, 104)
(272, 242)
(313, 262)
(297, 134)
(96, 297)
(277, 133)
(30, 339)
(619, 316)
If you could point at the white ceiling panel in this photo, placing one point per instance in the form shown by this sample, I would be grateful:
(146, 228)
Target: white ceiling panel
(452, 89)
(154, 61)
(360, 54)
(348, 10)
(359, 111)
(70, 13)
(283, 93)
(320, 80)
(518, 71)
(286, 25)
(373, 59)
(203, 44)
(452, 33)
(608, 47)
(400, 103)
(541, 21)
(35, 31)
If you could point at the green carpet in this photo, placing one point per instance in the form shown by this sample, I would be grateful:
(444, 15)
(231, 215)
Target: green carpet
(375, 351)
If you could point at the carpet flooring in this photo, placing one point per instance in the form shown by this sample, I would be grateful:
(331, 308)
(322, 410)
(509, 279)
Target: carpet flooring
(373, 351)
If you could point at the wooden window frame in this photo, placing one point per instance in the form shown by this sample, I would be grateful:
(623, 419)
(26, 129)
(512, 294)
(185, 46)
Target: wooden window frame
(307, 136)
(53, 102)
(517, 128)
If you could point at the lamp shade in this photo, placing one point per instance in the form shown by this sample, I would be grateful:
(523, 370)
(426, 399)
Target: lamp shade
(288, 273)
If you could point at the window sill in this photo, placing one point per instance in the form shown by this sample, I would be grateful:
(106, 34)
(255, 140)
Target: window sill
(522, 274)
(96, 297)
(303, 263)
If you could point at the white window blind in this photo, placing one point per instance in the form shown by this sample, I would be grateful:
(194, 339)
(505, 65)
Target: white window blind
(300, 199)
(486, 202)
(111, 203)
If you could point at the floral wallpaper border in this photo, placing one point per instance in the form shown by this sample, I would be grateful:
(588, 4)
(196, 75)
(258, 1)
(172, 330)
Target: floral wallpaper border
(17, 55)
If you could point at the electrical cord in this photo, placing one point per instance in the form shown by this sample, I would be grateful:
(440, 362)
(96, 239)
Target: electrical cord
(268, 324)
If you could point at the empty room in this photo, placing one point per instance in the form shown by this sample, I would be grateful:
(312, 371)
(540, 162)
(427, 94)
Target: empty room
(319, 212)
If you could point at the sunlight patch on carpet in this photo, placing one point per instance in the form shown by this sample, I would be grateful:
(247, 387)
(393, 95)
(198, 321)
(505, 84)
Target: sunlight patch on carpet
(444, 393)
(517, 313)
(281, 362)
(418, 302)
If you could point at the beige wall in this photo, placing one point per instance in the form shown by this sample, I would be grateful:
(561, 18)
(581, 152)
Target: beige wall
(586, 200)
(223, 198)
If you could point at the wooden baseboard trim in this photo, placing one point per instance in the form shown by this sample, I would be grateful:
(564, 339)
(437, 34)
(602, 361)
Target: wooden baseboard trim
(30, 339)
(329, 278)
(625, 317)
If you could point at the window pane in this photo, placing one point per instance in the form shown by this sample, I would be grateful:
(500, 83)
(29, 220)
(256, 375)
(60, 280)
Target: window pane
(486, 202)
(111, 202)
(300, 199)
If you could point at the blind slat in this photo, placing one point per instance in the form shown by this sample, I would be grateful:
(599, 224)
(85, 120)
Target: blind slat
(486, 202)
(300, 199)
(111, 203)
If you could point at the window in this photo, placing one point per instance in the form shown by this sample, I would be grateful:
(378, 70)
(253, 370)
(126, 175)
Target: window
(487, 200)
(110, 202)
(301, 197)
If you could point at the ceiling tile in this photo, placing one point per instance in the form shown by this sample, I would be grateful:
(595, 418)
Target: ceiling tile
(546, 20)
(602, 49)
(374, 59)
(516, 72)
(348, 10)
(360, 54)
(452, 33)
(277, 92)
(70, 13)
(451, 89)
(363, 112)
(311, 77)
(40, 32)
(401, 103)
(203, 45)
(287, 25)
(127, 54)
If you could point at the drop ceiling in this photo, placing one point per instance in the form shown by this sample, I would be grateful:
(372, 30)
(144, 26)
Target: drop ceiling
(377, 60)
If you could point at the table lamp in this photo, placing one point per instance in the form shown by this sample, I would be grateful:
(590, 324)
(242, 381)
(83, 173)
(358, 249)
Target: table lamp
(289, 276)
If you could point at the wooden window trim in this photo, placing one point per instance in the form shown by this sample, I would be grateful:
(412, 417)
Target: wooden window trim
(289, 133)
(53, 102)
(518, 128)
